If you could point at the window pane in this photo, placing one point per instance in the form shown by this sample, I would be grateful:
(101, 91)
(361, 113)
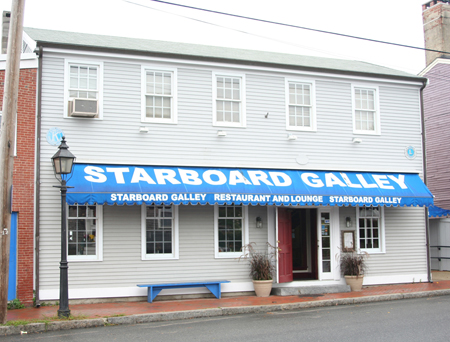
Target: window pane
(82, 211)
(159, 229)
(73, 211)
(230, 228)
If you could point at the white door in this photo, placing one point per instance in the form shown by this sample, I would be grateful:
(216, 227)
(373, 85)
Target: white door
(328, 239)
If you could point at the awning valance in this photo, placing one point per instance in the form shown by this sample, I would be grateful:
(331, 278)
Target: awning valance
(130, 184)
(436, 212)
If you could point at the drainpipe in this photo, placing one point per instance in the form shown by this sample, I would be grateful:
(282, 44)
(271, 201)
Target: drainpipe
(427, 226)
(39, 52)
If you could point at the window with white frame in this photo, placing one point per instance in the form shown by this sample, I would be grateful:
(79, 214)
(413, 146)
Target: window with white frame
(159, 232)
(159, 96)
(83, 89)
(83, 81)
(300, 99)
(370, 229)
(230, 230)
(84, 232)
(366, 116)
(229, 101)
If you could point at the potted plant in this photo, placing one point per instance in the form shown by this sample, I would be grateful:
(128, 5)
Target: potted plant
(262, 267)
(353, 266)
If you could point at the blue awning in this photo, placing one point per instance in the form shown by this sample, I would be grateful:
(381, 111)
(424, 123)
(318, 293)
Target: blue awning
(434, 211)
(131, 184)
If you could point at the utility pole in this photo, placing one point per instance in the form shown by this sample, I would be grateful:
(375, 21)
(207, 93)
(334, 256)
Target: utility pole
(7, 142)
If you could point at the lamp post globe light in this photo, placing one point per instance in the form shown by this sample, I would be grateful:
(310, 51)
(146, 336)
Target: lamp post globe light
(62, 163)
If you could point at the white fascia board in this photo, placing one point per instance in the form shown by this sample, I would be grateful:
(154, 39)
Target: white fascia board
(27, 61)
(235, 66)
(433, 64)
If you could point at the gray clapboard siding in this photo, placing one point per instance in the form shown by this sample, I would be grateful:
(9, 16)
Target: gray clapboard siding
(264, 138)
(405, 244)
(193, 141)
(122, 264)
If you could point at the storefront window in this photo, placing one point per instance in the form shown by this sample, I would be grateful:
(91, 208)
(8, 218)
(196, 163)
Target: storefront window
(159, 232)
(84, 232)
(230, 229)
(370, 229)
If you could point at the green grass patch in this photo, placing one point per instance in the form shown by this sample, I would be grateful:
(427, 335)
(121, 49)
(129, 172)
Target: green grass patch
(46, 320)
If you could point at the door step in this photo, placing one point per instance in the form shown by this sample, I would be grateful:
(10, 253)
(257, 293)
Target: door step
(309, 290)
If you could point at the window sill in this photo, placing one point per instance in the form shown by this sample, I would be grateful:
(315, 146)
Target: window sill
(75, 259)
(301, 129)
(229, 255)
(368, 251)
(159, 121)
(162, 257)
(225, 124)
(366, 132)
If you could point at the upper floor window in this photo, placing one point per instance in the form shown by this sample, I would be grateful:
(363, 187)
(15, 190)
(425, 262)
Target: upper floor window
(370, 229)
(159, 96)
(229, 100)
(366, 116)
(159, 232)
(83, 81)
(83, 89)
(300, 100)
(84, 232)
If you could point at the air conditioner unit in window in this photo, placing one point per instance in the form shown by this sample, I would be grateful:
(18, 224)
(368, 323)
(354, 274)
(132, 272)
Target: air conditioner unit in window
(85, 108)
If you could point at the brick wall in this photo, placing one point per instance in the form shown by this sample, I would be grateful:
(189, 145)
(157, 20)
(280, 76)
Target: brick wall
(23, 180)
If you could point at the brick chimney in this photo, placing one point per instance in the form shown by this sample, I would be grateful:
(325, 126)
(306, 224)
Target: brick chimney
(436, 27)
(5, 30)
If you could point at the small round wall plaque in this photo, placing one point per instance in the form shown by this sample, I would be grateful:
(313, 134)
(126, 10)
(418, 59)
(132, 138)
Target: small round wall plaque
(54, 136)
(410, 152)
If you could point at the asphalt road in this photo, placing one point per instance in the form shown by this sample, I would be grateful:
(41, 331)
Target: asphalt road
(423, 319)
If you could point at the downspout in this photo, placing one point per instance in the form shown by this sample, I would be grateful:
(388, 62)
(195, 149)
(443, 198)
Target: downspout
(427, 226)
(39, 52)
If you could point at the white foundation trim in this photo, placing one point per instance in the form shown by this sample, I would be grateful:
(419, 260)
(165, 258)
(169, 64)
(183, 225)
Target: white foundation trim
(396, 279)
(117, 292)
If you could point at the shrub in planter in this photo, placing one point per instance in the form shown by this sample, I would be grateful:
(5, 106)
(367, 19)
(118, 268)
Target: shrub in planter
(262, 267)
(353, 265)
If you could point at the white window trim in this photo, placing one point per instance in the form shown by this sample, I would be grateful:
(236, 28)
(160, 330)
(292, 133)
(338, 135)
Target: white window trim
(243, 122)
(99, 64)
(98, 239)
(174, 110)
(382, 248)
(245, 235)
(377, 120)
(175, 239)
(313, 127)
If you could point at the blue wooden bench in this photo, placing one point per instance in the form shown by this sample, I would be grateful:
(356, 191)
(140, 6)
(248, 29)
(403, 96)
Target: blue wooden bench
(154, 289)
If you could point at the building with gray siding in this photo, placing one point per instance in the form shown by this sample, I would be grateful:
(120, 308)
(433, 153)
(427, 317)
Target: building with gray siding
(186, 153)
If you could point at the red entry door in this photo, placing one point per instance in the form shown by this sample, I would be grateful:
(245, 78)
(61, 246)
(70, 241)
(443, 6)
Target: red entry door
(285, 267)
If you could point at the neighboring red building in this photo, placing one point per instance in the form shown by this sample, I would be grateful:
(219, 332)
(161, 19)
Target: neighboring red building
(24, 173)
(436, 104)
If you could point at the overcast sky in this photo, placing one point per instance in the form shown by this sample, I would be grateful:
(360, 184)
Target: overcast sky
(397, 21)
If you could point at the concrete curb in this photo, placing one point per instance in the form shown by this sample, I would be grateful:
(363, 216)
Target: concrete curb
(179, 315)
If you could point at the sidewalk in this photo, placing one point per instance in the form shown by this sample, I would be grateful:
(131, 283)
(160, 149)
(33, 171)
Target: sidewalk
(143, 312)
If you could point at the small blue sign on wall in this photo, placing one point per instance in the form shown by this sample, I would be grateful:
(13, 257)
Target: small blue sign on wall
(54, 136)
(410, 152)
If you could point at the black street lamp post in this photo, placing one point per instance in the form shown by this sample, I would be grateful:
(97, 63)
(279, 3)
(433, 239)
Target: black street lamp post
(62, 166)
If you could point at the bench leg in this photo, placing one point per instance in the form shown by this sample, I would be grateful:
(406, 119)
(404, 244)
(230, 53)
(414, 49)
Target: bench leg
(152, 293)
(215, 290)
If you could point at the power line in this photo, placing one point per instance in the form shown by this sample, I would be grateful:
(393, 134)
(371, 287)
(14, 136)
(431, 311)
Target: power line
(240, 31)
(299, 27)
